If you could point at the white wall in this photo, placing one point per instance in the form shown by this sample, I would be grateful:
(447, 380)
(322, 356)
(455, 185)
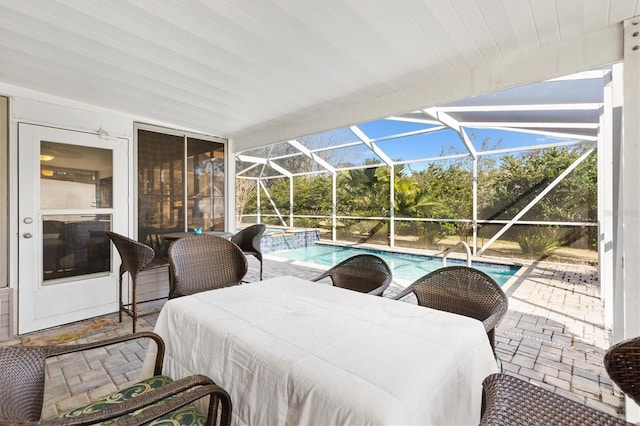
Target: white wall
(31, 107)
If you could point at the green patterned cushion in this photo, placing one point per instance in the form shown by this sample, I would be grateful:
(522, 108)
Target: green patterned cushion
(187, 415)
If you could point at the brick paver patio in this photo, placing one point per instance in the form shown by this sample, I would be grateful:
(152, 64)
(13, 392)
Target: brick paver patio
(552, 335)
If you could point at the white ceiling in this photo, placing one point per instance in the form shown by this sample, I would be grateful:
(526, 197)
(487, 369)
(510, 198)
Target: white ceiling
(238, 68)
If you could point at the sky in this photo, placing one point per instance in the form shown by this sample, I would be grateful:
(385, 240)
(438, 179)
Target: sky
(426, 145)
(576, 100)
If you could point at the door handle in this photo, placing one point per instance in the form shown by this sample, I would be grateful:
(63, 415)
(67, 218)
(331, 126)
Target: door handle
(27, 235)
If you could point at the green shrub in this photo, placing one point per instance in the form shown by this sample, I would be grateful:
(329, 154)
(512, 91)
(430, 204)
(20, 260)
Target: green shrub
(431, 235)
(538, 243)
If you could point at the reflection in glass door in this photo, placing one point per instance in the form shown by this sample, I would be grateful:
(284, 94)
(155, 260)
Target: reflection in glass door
(72, 188)
(75, 244)
(180, 186)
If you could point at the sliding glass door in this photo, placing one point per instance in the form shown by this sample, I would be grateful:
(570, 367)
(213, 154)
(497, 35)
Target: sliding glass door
(180, 184)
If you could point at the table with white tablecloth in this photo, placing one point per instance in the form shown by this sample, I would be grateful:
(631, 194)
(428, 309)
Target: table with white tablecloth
(291, 351)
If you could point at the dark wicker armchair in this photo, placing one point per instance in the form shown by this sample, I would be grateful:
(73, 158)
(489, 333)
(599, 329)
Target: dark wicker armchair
(248, 239)
(462, 290)
(135, 257)
(22, 384)
(204, 262)
(622, 362)
(509, 400)
(365, 273)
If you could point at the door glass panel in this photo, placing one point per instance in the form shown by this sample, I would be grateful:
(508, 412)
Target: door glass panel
(205, 185)
(72, 178)
(74, 245)
(160, 188)
(75, 177)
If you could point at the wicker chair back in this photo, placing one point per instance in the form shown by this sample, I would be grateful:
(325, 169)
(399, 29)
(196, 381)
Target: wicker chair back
(509, 400)
(249, 240)
(462, 290)
(366, 273)
(622, 362)
(135, 257)
(204, 262)
(21, 383)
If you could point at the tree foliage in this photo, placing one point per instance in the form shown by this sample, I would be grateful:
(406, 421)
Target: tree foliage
(443, 190)
(364, 192)
(521, 178)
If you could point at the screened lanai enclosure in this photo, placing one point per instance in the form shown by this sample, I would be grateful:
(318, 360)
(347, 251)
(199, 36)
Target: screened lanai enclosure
(513, 174)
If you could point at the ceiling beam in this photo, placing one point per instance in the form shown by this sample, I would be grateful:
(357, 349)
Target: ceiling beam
(523, 107)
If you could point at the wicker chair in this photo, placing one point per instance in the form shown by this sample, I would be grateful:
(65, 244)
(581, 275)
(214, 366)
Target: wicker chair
(462, 290)
(135, 257)
(204, 262)
(622, 362)
(508, 400)
(248, 239)
(365, 273)
(22, 385)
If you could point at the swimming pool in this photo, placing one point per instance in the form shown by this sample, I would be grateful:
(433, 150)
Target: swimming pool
(405, 266)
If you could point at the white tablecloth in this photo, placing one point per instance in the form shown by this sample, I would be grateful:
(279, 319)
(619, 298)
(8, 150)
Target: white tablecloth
(291, 351)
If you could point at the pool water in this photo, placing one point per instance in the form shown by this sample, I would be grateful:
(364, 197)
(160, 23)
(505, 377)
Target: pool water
(405, 266)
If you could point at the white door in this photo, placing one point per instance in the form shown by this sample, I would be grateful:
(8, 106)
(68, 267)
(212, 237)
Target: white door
(72, 187)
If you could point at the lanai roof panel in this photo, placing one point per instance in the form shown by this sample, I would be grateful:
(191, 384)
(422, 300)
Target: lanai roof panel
(297, 164)
(254, 170)
(587, 117)
(496, 139)
(354, 155)
(426, 145)
(270, 151)
(559, 91)
(328, 139)
(382, 129)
